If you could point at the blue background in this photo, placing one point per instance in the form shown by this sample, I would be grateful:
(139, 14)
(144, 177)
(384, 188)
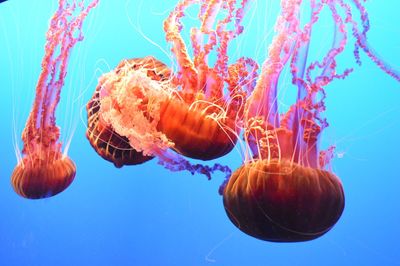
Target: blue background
(145, 215)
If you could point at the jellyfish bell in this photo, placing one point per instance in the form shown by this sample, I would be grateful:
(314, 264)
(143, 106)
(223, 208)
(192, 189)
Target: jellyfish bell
(121, 101)
(195, 131)
(282, 201)
(105, 141)
(44, 171)
(38, 176)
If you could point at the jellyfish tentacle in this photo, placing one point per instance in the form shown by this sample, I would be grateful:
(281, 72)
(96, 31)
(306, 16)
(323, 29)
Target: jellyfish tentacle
(49, 86)
(262, 102)
(68, 41)
(363, 43)
(206, 28)
(172, 28)
(175, 162)
(241, 81)
(306, 123)
(221, 64)
(225, 36)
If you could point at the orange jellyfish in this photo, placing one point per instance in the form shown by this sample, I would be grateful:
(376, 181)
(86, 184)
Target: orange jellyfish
(44, 170)
(194, 111)
(285, 191)
(206, 116)
(108, 143)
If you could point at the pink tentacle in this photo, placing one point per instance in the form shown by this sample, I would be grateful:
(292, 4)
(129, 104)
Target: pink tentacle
(63, 26)
(172, 28)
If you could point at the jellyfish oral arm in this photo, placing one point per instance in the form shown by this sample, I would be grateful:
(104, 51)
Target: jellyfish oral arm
(262, 104)
(302, 123)
(41, 125)
(172, 28)
(196, 76)
(362, 41)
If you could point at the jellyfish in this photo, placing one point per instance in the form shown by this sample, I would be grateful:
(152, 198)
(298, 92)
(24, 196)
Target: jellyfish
(43, 169)
(207, 116)
(145, 108)
(286, 191)
(104, 139)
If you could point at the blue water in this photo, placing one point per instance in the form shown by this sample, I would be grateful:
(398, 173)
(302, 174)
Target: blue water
(145, 215)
